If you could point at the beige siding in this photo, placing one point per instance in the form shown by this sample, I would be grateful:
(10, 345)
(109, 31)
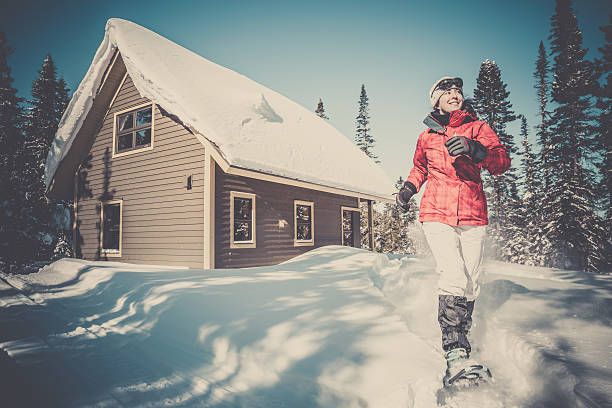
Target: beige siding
(162, 220)
(274, 220)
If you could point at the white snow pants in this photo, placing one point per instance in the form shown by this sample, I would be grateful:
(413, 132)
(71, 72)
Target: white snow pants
(458, 251)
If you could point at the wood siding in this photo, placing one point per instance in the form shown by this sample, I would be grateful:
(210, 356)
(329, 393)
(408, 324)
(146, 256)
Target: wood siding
(163, 222)
(275, 220)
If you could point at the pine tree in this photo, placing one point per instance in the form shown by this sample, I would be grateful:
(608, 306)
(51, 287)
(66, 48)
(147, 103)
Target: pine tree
(492, 105)
(522, 243)
(363, 137)
(604, 136)
(527, 162)
(398, 231)
(10, 118)
(12, 230)
(542, 87)
(538, 241)
(364, 227)
(571, 224)
(392, 228)
(49, 100)
(48, 103)
(320, 111)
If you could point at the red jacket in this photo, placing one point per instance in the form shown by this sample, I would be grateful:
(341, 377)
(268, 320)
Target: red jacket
(454, 194)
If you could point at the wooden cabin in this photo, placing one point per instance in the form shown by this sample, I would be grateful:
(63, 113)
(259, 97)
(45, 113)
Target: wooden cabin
(153, 183)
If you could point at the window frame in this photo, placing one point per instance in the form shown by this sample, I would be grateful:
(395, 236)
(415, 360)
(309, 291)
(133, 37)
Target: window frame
(109, 252)
(252, 243)
(116, 133)
(303, 242)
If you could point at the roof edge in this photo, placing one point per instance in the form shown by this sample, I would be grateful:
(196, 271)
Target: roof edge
(227, 167)
(79, 106)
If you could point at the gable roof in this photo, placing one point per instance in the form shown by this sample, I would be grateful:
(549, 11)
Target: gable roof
(253, 127)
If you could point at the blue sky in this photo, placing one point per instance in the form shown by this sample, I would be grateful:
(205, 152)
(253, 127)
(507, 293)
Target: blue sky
(326, 49)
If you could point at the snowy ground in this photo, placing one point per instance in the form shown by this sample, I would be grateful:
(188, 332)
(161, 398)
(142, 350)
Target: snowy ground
(336, 327)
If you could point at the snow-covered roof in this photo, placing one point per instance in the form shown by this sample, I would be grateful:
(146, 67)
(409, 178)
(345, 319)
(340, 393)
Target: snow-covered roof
(254, 127)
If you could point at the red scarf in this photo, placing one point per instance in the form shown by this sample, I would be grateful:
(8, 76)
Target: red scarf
(457, 117)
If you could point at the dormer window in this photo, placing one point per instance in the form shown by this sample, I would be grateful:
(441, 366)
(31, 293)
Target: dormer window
(133, 130)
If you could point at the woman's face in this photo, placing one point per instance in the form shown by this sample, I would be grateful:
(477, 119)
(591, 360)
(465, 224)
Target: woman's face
(450, 101)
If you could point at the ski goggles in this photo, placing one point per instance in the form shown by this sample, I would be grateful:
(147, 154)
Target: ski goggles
(449, 83)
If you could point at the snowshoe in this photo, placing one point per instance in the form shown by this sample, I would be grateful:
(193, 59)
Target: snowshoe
(462, 371)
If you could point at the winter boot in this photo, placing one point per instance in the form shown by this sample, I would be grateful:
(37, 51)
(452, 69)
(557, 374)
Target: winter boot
(462, 371)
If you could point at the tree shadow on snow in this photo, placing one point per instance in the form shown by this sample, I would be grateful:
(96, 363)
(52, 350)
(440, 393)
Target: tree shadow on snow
(253, 337)
(494, 294)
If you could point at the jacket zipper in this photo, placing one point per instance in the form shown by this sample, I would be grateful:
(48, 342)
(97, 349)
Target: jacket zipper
(459, 191)
(458, 195)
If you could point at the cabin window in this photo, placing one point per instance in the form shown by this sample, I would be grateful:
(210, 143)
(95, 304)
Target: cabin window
(133, 130)
(242, 220)
(304, 223)
(111, 218)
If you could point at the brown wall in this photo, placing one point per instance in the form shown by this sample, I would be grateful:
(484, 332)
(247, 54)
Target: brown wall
(274, 202)
(162, 221)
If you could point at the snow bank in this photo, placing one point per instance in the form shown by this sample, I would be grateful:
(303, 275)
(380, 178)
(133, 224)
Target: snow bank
(255, 128)
(313, 330)
(71, 277)
(335, 327)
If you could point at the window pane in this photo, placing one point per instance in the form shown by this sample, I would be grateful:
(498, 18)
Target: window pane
(143, 117)
(242, 231)
(304, 222)
(303, 213)
(143, 137)
(125, 122)
(110, 233)
(304, 232)
(125, 142)
(242, 208)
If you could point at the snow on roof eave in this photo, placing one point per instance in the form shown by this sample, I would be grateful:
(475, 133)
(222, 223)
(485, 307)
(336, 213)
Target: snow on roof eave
(321, 186)
(79, 106)
(159, 84)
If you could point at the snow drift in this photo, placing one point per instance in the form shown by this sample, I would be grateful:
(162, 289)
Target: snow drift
(336, 327)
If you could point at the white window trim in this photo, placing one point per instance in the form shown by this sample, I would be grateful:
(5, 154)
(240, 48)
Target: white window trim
(139, 150)
(301, 242)
(342, 210)
(111, 253)
(243, 244)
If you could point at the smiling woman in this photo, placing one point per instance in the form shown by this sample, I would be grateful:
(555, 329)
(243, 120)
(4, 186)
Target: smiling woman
(450, 101)
(449, 156)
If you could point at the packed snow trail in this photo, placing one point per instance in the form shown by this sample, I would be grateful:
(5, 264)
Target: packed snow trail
(525, 342)
(336, 327)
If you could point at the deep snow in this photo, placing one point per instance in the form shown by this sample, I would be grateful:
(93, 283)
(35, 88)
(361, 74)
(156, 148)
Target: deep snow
(336, 327)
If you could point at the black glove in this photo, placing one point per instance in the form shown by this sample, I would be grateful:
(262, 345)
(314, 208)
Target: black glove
(404, 195)
(457, 145)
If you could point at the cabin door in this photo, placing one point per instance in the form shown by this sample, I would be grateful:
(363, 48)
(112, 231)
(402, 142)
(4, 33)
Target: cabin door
(351, 235)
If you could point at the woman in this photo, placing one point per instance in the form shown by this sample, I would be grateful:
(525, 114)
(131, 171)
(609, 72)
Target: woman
(453, 211)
